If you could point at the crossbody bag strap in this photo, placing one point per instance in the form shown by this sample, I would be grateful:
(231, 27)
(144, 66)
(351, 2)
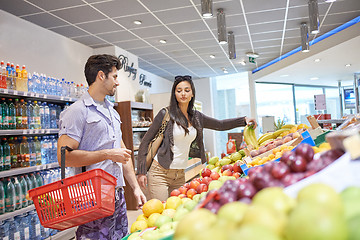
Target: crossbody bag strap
(163, 123)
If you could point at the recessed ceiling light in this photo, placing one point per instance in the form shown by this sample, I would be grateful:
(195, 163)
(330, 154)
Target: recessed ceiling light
(284, 75)
(314, 78)
(348, 65)
(317, 60)
(329, 1)
(162, 41)
(224, 70)
(243, 63)
(137, 22)
(212, 56)
(252, 54)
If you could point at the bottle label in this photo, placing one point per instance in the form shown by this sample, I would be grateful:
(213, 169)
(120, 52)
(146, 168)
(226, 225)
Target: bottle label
(26, 233)
(7, 160)
(37, 227)
(19, 120)
(1, 161)
(37, 120)
(32, 156)
(38, 156)
(6, 238)
(17, 236)
(2, 205)
(26, 157)
(6, 120)
(9, 203)
(53, 112)
(41, 110)
(14, 159)
(47, 111)
(45, 145)
(24, 120)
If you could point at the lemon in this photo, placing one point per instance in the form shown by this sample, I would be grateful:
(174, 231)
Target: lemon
(152, 206)
(152, 219)
(141, 217)
(169, 212)
(138, 225)
(173, 202)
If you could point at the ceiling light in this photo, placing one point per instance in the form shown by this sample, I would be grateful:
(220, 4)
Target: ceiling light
(314, 19)
(330, 1)
(284, 75)
(252, 54)
(317, 60)
(206, 8)
(224, 70)
(314, 78)
(212, 56)
(348, 65)
(243, 63)
(221, 26)
(304, 34)
(162, 41)
(137, 22)
(231, 45)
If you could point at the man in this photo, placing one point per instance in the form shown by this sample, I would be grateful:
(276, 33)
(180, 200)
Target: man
(91, 127)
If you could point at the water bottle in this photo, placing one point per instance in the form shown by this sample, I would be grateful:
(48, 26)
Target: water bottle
(54, 148)
(49, 149)
(4, 114)
(52, 116)
(25, 152)
(13, 153)
(44, 150)
(35, 232)
(42, 114)
(24, 112)
(58, 111)
(14, 233)
(9, 195)
(18, 193)
(17, 149)
(3, 75)
(33, 180)
(44, 84)
(30, 114)
(2, 160)
(24, 190)
(24, 226)
(32, 151)
(39, 179)
(4, 230)
(30, 186)
(37, 119)
(38, 151)
(7, 155)
(47, 116)
(18, 115)
(12, 115)
(2, 198)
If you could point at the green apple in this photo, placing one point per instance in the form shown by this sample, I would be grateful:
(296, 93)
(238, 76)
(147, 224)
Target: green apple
(351, 200)
(225, 161)
(196, 198)
(253, 232)
(180, 213)
(235, 156)
(190, 205)
(275, 199)
(202, 195)
(210, 166)
(162, 219)
(134, 236)
(353, 226)
(213, 160)
(215, 184)
(151, 235)
(233, 212)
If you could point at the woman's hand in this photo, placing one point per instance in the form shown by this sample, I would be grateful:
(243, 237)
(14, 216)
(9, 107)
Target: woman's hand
(251, 121)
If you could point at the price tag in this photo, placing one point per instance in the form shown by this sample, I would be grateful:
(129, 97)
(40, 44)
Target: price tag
(36, 131)
(24, 131)
(24, 93)
(45, 96)
(6, 91)
(32, 94)
(31, 131)
(36, 95)
(15, 92)
(61, 98)
(42, 130)
(47, 131)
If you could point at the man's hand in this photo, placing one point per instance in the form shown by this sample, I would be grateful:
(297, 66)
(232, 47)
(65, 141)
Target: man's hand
(250, 121)
(140, 197)
(142, 180)
(120, 155)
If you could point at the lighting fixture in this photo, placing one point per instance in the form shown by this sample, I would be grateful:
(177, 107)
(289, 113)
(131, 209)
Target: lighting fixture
(284, 75)
(212, 56)
(221, 26)
(231, 45)
(314, 78)
(348, 65)
(243, 63)
(252, 54)
(206, 8)
(304, 32)
(137, 22)
(330, 1)
(162, 41)
(314, 19)
(224, 70)
(317, 60)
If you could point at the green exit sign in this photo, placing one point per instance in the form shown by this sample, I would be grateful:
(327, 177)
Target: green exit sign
(252, 60)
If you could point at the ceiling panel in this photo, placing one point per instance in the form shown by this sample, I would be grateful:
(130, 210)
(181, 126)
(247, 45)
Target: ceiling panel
(266, 35)
(178, 15)
(69, 31)
(79, 14)
(170, 39)
(195, 36)
(101, 26)
(152, 31)
(45, 20)
(143, 51)
(270, 16)
(117, 36)
(147, 20)
(186, 27)
(172, 47)
(49, 5)
(260, 5)
(88, 40)
(119, 8)
(18, 7)
(136, 43)
(158, 5)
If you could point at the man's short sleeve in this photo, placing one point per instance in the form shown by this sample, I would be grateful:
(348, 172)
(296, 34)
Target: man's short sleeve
(72, 122)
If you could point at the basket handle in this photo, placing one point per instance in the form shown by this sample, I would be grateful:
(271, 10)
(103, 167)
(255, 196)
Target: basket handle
(63, 148)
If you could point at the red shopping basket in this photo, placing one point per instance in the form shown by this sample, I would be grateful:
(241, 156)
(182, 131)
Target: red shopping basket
(75, 200)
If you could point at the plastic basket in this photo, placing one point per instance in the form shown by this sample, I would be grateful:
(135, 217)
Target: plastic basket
(75, 200)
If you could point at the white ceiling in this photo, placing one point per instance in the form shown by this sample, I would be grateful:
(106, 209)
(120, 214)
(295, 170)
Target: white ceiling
(268, 27)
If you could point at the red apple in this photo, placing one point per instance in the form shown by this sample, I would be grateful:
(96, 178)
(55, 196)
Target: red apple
(206, 180)
(202, 188)
(214, 175)
(183, 190)
(237, 167)
(227, 167)
(187, 185)
(194, 183)
(182, 196)
(205, 172)
(191, 192)
(175, 192)
(236, 174)
(227, 172)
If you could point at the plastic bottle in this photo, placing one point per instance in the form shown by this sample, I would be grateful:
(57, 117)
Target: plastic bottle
(3, 75)
(39, 179)
(18, 79)
(14, 233)
(44, 150)
(46, 116)
(7, 155)
(12, 115)
(32, 82)
(25, 152)
(32, 151)
(4, 114)
(58, 111)
(44, 84)
(30, 114)
(9, 76)
(29, 185)
(24, 190)
(24, 79)
(35, 232)
(2, 161)
(18, 114)
(24, 228)
(24, 117)
(4, 229)
(54, 149)
(17, 141)
(37, 119)
(2, 198)
(52, 121)
(42, 114)
(9, 195)
(38, 151)
(33, 180)
(18, 193)
(13, 153)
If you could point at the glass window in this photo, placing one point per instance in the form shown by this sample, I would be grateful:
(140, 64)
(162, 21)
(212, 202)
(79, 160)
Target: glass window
(305, 105)
(333, 102)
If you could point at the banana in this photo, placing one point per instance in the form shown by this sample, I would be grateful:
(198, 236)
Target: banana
(278, 132)
(266, 142)
(288, 126)
(249, 136)
(265, 137)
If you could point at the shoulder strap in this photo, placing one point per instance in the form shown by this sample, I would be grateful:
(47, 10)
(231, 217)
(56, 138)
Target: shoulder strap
(163, 123)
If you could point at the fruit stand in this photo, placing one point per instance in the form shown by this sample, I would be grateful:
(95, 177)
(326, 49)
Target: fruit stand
(310, 180)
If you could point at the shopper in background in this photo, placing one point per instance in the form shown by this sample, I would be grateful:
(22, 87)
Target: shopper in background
(186, 125)
(91, 126)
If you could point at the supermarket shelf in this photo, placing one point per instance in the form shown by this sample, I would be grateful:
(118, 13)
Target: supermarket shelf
(64, 235)
(17, 212)
(144, 129)
(34, 96)
(337, 121)
(18, 171)
(28, 131)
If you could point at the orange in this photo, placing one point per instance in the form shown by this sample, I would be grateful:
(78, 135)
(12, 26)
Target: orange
(152, 206)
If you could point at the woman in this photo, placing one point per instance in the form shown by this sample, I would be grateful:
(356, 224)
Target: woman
(185, 125)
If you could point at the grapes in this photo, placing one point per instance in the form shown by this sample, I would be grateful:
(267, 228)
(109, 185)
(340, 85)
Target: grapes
(306, 151)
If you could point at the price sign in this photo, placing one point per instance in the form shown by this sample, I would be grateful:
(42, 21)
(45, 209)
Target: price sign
(320, 102)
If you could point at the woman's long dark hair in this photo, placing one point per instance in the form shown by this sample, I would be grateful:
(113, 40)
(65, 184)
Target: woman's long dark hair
(175, 112)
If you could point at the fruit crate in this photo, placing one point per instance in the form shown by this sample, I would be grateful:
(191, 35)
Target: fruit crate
(321, 138)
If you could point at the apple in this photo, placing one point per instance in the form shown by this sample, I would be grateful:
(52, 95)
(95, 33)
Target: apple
(280, 170)
(227, 172)
(306, 151)
(227, 212)
(183, 190)
(206, 180)
(215, 184)
(191, 192)
(236, 174)
(180, 213)
(190, 205)
(201, 188)
(175, 192)
(194, 183)
(161, 220)
(237, 167)
(182, 195)
(214, 175)
(205, 172)
(187, 185)
(227, 167)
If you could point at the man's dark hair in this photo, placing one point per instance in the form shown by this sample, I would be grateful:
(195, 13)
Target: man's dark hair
(102, 62)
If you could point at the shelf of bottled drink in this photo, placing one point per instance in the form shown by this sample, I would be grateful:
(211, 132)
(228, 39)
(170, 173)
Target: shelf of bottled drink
(35, 96)
(28, 132)
(16, 212)
(22, 170)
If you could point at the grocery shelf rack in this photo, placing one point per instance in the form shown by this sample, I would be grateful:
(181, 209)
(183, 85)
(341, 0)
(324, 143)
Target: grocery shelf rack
(13, 132)
(34, 96)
